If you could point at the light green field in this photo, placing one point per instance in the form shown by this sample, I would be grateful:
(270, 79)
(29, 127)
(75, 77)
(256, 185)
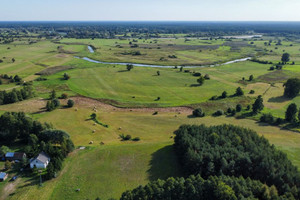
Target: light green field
(108, 170)
(152, 50)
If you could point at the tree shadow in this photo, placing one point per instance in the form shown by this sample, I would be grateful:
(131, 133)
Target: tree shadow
(164, 164)
(279, 99)
(195, 85)
(123, 70)
(245, 115)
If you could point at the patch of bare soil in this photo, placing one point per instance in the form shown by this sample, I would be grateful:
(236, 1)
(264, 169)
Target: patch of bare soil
(8, 189)
(92, 103)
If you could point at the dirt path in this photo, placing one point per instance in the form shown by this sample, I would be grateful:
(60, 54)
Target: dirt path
(9, 188)
(91, 103)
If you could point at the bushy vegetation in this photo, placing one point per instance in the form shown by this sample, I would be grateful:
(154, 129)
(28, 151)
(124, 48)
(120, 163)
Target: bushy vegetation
(292, 87)
(35, 137)
(16, 95)
(234, 151)
(195, 187)
(198, 112)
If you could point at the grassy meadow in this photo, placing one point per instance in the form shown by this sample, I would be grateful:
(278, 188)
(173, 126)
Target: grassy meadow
(109, 166)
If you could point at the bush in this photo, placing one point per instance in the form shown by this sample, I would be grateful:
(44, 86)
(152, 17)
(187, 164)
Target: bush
(198, 113)
(238, 108)
(239, 92)
(267, 118)
(125, 137)
(214, 97)
(279, 121)
(70, 103)
(251, 92)
(197, 74)
(64, 96)
(224, 95)
(229, 110)
(136, 139)
(219, 113)
(206, 77)
(272, 68)
(201, 80)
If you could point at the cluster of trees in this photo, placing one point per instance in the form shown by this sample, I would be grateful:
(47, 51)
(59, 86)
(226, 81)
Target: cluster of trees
(12, 79)
(235, 151)
(35, 137)
(260, 61)
(213, 188)
(16, 95)
(238, 92)
(292, 87)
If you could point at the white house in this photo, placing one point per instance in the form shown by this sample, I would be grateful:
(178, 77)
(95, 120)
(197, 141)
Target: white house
(41, 161)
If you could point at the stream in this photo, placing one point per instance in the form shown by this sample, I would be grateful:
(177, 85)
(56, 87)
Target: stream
(156, 66)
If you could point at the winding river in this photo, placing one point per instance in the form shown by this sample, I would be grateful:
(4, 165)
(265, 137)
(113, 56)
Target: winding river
(156, 66)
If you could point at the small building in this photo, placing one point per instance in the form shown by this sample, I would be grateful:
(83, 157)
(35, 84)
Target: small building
(11, 156)
(40, 162)
(3, 176)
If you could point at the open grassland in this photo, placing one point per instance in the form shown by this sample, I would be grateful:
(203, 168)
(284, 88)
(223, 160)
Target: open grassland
(141, 86)
(107, 170)
(109, 166)
(158, 51)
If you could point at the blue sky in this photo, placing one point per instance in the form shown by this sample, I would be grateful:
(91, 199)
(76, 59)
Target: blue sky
(144, 10)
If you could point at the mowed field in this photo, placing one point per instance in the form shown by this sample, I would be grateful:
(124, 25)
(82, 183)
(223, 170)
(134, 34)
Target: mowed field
(109, 166)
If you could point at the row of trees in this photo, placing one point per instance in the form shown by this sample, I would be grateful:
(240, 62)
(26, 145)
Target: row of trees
(235, 151)
(16, 95)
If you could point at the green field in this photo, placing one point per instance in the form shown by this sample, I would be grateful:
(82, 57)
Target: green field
(110, 166)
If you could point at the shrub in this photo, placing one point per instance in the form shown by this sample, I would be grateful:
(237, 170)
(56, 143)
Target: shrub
(201, 80)
(272, 68)
(248, 107)
(136, 139)
(238, 108)
(198, 113)
(279, 121)
(219, 113)
(64, 96)
(251, 92)
(206, 77)
(214, 97)
(267, 118)
(229, 110)
(224, 95)
(197, 74)
(70, 103)
(239, 92)
(125, 137)
(66, 76)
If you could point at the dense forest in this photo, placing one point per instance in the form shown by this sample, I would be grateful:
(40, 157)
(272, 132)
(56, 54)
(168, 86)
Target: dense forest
(195, 187)
(224, 162)
(235, 151)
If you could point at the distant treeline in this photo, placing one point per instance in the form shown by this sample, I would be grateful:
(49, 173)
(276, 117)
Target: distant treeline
(151, 29)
